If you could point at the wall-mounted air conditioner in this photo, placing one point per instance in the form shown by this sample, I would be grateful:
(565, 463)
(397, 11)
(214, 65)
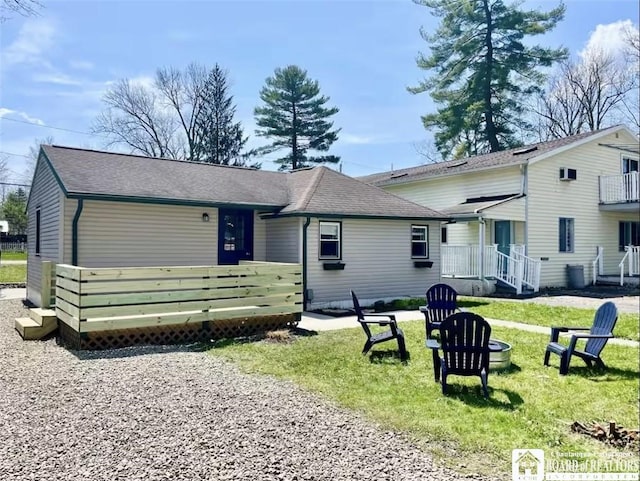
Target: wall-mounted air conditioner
(568, 174)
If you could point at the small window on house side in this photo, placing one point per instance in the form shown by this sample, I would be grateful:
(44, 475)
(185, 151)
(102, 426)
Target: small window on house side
(628, 234)
(330, 240)
(443, 234)
(566, 237)
(419, 241)
(37, 232)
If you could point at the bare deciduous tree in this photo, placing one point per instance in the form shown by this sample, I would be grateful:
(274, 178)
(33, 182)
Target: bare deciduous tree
(631, 103)
(586, 95)
(133, 117)
(168, 117)
(26, 8)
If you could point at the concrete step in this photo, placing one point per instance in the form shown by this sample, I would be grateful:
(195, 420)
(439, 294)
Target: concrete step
(30, 329)
(42, 315)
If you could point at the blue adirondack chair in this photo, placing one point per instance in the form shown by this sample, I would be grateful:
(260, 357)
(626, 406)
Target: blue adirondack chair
(599, 333)
(464, 341)
(394, 332)
(441, 303)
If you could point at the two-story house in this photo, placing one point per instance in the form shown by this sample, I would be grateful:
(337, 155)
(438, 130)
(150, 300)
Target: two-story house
(538, 216)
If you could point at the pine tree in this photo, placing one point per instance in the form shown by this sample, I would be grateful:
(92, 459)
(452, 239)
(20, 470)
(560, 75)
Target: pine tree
(295, 117)
(220, 139)
(482, 72)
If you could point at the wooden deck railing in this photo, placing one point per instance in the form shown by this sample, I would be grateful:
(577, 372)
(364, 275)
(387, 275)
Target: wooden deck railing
(105, 299)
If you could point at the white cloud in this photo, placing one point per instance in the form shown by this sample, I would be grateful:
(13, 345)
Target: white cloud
(608, 39)
(144, 81)
(56, 78)
(356, 139)
(5, 112)
(81, 64)
(35, 38)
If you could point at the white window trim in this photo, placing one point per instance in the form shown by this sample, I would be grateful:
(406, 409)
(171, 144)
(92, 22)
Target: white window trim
(572, 237)
(339, 241)
(425, 241)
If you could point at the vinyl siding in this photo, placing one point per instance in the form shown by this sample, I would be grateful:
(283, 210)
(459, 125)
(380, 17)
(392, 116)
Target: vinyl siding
(378, 264)
(119, 234)
(259, 238)
(550, 198)
(444, 192)
(283, 239)
(512, 210)
(46, 195)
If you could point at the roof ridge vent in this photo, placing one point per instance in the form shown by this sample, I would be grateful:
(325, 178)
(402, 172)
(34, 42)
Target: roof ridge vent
(526, 150)
(457, 164)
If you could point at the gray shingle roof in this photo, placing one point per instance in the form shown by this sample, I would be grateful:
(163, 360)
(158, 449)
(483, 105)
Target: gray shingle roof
(314, 191)
(104, 173)
(504, 158)
(325, 191)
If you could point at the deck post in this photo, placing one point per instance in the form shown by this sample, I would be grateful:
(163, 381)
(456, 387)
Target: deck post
(45, 289)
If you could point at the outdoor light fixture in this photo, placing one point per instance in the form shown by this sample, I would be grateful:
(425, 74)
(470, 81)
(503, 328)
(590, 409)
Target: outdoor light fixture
(205, 217)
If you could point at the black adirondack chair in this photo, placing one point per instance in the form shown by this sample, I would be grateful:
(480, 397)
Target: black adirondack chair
(441, 303)
(464, 341)
(599, 333)
(394, 332)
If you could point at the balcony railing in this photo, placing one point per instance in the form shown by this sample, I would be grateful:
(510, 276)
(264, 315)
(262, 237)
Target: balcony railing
(619, 188)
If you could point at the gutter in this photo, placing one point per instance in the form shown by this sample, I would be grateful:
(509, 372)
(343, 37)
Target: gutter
(74, 233)
(304, 263)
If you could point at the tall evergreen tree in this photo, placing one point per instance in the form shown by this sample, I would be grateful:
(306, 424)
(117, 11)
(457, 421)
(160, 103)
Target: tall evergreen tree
(482, 71)
(295, 117)
(220, 139)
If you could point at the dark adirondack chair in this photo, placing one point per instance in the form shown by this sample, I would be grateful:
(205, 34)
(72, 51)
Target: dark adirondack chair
(394, 332)
(464, 341)
(441, 303)
(599, 333)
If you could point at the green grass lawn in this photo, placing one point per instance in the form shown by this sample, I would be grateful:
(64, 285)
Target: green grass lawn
(530, 406)
(13, 256)
(627, 326)
(13, 273)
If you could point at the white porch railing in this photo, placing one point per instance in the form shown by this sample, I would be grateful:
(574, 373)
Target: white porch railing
(515, 270)
(597, 266)
(632, 257)
(464, 260)
(619, 188)
(530, 271)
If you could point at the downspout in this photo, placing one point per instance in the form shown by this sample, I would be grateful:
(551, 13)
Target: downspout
(481, 235)
(74, 233)
(304, 263)
(525, 188)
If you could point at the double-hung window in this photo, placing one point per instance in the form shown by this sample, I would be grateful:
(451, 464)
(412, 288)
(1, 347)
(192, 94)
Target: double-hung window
(420, 241)
(330, 240)
(566, 234)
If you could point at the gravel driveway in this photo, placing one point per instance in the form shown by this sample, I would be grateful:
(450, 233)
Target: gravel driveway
(167, 413)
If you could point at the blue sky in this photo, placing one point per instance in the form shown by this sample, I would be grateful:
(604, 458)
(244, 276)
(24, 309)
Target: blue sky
(55, 68)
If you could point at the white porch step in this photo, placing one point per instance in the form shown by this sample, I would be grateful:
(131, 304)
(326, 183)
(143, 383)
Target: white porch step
(30, 329)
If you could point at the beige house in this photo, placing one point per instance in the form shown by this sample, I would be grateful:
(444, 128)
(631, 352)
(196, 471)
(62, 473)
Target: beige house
(98, 209)
(523, 215)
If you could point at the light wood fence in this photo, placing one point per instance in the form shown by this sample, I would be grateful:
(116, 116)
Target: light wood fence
(91, 300)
